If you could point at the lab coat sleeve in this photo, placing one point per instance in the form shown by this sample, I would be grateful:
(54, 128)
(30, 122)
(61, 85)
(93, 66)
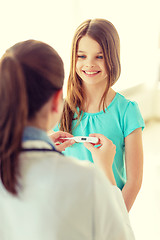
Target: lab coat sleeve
(111, 220)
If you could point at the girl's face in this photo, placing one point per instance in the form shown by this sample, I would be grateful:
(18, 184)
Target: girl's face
(90, 63)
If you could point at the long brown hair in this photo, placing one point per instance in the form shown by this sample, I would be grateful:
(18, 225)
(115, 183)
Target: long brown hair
(106, 35)
(30, 73)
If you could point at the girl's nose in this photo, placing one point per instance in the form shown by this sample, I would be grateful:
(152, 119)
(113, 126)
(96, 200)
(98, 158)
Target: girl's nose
(90, 63)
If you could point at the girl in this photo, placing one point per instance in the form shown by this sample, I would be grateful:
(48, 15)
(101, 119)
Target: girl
(44, 195)
(92, 106)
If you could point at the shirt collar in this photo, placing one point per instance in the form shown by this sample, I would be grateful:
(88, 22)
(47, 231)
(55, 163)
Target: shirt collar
(33, 133)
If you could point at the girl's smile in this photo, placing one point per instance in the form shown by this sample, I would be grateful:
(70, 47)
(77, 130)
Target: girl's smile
(91, 73)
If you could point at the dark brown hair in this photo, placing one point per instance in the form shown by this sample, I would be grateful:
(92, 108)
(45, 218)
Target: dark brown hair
(30, 73)
(105, 34)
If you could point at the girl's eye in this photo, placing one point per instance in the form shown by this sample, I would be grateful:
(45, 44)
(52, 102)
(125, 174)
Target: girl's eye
(81, 56)
(100, 57)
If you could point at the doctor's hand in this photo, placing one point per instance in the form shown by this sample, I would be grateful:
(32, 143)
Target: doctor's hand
(61, 144)
(103, 154)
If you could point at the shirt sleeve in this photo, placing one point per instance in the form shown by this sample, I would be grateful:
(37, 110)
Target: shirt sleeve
(132, 119)
(111, 220)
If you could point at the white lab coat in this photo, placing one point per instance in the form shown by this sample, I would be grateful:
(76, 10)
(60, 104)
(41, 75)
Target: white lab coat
(62, 199)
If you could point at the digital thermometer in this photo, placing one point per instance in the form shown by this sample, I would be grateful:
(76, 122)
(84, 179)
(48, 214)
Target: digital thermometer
(81, 139)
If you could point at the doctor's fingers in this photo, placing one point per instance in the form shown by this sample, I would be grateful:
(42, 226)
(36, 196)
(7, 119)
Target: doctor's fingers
(62, 146)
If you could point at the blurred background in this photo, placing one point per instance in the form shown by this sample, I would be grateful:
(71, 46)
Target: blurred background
(138, 24)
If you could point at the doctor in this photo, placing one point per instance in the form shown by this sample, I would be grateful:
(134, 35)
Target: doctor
(43, 194)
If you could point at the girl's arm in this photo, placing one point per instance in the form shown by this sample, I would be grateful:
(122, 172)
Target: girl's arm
(134, 167)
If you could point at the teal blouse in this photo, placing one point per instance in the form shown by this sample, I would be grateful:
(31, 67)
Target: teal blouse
(120, 118)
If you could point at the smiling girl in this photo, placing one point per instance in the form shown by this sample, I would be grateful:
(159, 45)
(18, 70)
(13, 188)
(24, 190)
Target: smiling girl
(92, 106)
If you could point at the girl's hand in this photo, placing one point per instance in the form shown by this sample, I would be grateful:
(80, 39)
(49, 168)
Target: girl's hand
(103, 155)
(61, 144)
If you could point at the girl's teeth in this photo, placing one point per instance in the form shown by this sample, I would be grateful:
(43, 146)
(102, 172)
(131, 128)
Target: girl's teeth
(91, 72)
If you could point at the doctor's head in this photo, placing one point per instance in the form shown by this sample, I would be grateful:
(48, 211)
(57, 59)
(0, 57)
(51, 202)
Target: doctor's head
(31, 80)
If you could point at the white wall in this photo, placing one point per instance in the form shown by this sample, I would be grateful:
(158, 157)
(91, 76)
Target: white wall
(46, 20)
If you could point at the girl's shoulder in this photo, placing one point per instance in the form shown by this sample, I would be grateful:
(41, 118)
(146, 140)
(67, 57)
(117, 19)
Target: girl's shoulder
(129, 108)
(124, 102)
(122, 98)
(126, 107)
